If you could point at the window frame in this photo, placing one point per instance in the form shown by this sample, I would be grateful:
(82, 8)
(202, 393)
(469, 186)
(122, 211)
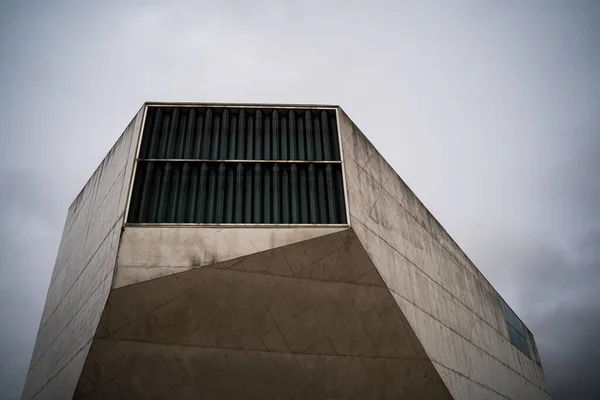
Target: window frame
(281, 108)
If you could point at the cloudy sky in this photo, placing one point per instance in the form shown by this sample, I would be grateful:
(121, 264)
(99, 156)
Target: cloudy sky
(490, 111)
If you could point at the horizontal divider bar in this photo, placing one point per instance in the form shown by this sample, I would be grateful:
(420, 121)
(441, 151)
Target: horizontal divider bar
(237, 161)
(226, 225)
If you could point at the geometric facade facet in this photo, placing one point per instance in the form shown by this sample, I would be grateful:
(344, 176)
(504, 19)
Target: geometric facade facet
(266, 251)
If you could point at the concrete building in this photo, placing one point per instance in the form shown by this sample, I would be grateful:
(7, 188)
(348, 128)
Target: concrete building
(270, 252)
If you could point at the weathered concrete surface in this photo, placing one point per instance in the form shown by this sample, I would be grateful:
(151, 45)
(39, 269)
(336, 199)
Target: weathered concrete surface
(151, 252)
(389, 308)
(451, 307)
(292, 322)
(82, 274)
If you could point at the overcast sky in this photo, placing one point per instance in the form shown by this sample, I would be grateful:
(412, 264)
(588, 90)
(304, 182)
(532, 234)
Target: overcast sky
(490, 111)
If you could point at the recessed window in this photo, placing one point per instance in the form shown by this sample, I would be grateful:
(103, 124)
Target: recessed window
(239, 166)
(518, 334)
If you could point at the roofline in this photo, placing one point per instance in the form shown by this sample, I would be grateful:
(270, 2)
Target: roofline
(240, 105)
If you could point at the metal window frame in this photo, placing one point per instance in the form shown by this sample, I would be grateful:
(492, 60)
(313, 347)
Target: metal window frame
(243, 105)
(137, 159)
(193, 160)
(339, 130)
(231, 225)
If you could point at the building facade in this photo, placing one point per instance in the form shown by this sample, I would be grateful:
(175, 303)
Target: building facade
(225, 251)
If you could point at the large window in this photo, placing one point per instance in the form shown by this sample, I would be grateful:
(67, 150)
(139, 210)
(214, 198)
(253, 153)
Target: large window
(517, 332)
(239, 165)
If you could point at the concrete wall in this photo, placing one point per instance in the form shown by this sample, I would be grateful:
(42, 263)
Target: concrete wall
(310, 320)
(151, 252)
(82, 274)
(452, 308)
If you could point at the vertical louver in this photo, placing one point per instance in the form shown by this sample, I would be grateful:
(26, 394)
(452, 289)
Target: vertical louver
(197, 133)
(238, 165)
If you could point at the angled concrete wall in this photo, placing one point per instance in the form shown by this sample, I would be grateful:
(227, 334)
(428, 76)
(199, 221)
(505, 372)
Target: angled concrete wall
(309, 320)
(151, 252)
(82, 274)
(451, 307)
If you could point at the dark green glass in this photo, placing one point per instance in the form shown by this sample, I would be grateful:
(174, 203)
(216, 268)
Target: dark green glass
(285, 196)
(292, 134)
(202, 194)
(155, 136)
(215, 139)
(301, 136)
(220, 205)
(267, 142)
(331, 200)
(257, 194)
(333, 134)
(312, 194)
(326, 136)
(206, 134)
(318, 140)
(310, 140)
(339, 190)
(241, 136)
(230, 195)
(258, 134)
(180, 138)
(275, 139)
(198, 138)
(321, 196)
(212, 195)
(250, 140)
(276, 194)
(267, 198)
(182, 206)
(259, 189)
(285, 154)
(146, 193)
(224, 135)
(173, 194)
(295, 198)
(164, 194)
(172, 134)
(303, 198)
(231, 154)
(193, 194)
(161, 152)
(248, 197)
(239, 194)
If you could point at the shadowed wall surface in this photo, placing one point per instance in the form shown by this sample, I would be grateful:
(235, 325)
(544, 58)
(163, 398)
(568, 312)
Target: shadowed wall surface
(308, 320)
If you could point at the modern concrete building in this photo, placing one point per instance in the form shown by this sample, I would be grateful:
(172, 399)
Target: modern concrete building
(269, 252)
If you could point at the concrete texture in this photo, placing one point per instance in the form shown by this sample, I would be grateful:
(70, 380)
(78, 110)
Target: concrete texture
(151, 252)
(82, 274)
(308, 320)
(387, 307)
(453, 310)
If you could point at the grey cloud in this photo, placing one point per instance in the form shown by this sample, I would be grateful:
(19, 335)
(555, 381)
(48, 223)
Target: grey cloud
(555, 292)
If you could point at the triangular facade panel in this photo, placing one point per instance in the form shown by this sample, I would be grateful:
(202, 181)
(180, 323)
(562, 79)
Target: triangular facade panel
(307, 320)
